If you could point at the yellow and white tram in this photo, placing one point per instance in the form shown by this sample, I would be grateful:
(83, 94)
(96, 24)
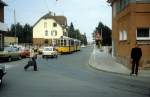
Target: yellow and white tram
(67, 45)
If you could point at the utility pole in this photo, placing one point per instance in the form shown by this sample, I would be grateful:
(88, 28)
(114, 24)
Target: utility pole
(15, 26)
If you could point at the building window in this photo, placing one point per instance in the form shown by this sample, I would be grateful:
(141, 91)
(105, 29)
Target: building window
(46, 41)
(46, 33)
(121, 5)
(122, 35)
(54, 24)
(143, 34)
(45, 24)
(54, 33)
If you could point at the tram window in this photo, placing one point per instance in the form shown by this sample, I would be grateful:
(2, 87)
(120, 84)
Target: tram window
(65, 43)
(61, 42)
(72, 42)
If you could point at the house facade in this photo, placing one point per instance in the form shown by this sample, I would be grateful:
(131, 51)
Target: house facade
(130, 25)
(3, 27)
(48, 29)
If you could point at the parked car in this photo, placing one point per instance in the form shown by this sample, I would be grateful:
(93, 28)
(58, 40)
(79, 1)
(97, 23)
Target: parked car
(2, 73)
(10, 53)
(83, 46)
(49, 52)
(24, 52)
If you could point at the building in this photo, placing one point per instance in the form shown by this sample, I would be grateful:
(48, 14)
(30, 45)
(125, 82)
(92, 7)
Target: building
(131, 24)
(48, 29)
(3, 27)
(10, 40)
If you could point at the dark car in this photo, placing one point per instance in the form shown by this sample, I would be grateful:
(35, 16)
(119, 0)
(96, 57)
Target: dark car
(2, 73)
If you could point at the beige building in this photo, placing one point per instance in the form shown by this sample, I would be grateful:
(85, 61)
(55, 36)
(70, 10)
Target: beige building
(131, 24)
(10, 40)
(48, 29)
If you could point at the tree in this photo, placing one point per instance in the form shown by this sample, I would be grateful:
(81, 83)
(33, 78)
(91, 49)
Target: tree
(18, 32)
(84, 39)
(106, 33)
(27, 33)
(24, 33)
(78, 35)
(71, 31)
(75, 33)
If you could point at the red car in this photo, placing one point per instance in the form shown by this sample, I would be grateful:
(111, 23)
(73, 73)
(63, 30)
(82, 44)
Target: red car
(24, 52)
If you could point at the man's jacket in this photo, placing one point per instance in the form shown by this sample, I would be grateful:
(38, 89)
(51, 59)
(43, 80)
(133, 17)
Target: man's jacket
(136, 53)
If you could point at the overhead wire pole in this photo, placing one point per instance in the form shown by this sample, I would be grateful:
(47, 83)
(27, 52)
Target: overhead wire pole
(15, 26)
(45, 2)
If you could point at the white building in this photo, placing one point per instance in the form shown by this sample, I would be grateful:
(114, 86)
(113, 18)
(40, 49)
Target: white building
(48, 29)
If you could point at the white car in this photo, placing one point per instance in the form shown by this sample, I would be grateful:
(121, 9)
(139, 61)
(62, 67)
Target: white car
(83, 46)
(49, 52)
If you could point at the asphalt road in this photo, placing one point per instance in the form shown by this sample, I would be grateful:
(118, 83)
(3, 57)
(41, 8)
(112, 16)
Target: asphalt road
(69, 76)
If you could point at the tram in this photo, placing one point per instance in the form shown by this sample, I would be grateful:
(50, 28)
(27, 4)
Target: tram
(67, 45)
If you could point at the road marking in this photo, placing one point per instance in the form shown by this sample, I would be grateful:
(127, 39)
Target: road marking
(15, 63)
(9, 66)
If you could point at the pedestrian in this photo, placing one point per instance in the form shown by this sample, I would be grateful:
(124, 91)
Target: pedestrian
(136, 54)
(32, 60)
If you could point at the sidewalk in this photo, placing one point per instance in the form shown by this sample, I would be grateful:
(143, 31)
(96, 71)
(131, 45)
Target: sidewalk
(103, 61)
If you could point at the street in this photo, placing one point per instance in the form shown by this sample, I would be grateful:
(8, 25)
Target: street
(69, 76)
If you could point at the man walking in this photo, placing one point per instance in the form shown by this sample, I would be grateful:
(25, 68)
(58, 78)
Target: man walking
(32, 61)
(136, 54)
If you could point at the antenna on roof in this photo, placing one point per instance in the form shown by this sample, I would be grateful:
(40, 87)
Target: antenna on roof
(45, 2)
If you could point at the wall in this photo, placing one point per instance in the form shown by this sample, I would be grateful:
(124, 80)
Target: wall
(39, 30)
(9, 40)
(133, 16)
(1, 13)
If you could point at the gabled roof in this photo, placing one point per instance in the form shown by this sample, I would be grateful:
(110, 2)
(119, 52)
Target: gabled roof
(3, 3)
(62, 20)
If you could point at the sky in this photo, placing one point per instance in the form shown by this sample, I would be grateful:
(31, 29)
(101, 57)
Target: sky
(84, 14)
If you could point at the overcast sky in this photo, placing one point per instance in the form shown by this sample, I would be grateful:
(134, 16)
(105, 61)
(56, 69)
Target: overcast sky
(85, 14)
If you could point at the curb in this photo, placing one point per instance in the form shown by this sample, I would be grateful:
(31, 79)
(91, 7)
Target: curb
(92, 64)
(94, 67)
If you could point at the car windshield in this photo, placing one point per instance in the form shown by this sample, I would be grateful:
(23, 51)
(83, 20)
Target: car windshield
(7, 49)
(48, 49)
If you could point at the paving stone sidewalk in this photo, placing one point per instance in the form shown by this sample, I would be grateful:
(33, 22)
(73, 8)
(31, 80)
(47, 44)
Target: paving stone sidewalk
(103, 61)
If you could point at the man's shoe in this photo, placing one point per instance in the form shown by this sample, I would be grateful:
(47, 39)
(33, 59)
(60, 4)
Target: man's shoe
(136, 74)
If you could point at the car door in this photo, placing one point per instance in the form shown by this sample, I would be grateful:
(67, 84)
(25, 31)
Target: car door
(15, 52)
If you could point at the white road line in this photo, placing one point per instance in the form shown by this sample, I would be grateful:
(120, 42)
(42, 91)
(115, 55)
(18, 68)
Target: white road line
(15, 63)
(9, 66)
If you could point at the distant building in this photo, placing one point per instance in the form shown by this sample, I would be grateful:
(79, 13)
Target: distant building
(131, 24)
(8, 40)
(48, 29)
(3, 27)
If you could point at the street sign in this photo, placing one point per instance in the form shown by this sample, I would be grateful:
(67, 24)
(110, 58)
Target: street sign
(97, 36)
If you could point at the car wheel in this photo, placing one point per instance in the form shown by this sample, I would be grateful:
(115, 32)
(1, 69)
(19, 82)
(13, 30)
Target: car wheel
(19, 57)
(9, 59)
(56, 56)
